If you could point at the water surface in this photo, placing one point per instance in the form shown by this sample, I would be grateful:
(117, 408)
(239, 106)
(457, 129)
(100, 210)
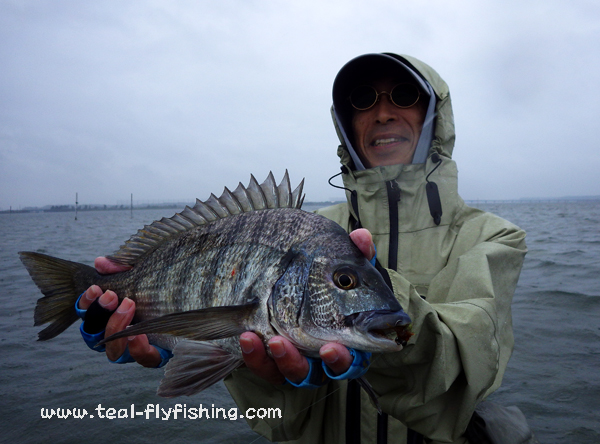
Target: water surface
(553, 376)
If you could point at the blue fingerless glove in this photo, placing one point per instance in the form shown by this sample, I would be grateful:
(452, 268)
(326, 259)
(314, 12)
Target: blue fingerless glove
(359, 366)
(374, 258)
(79, 311)
(315, 378)
(92, 339)
(319, 374)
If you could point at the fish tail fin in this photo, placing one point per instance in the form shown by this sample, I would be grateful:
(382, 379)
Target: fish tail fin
(61, 282)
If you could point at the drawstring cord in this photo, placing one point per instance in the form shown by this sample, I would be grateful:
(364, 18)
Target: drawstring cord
(353, 195)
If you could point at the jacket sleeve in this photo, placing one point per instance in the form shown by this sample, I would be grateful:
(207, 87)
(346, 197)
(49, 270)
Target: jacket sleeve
(462, 332)
(312, 414)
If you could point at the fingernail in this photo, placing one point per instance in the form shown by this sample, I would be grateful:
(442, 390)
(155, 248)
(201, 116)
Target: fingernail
(277, 348)
(247, 345)
(108, 300)
(91, 294)
(125, 306)
(329, 356)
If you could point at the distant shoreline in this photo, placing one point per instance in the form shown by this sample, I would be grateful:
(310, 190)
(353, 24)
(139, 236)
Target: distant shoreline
(164, 206)
(307, 205)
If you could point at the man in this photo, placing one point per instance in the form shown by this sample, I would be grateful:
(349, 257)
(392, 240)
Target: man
(452, 268)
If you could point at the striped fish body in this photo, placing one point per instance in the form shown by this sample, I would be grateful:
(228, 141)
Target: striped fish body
(251, 260)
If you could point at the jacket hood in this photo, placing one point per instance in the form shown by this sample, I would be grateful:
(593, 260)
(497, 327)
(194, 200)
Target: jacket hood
(429, 186)
(437, 135)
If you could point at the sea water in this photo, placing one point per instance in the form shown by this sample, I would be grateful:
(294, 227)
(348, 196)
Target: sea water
(553, 376)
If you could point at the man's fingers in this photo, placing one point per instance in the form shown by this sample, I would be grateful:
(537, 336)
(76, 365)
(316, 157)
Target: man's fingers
(90, 295)
(257, 360)
(290, 362)
(141, 350)
(336, 357)
(117, 322)
(287, 362)
(106, 266)
(363, 239)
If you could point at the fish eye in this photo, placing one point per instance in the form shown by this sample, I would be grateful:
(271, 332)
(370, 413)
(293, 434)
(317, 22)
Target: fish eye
(345, 278)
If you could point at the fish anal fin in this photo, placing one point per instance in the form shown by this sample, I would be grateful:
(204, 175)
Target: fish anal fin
(196, 366)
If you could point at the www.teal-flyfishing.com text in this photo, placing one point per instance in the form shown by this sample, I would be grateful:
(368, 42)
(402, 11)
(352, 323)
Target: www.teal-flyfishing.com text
(154, 411)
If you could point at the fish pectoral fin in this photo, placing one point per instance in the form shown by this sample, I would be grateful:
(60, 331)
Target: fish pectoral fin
(201, 325)
(196, 366)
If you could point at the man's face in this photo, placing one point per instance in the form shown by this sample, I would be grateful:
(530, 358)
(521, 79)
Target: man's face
(386, 134)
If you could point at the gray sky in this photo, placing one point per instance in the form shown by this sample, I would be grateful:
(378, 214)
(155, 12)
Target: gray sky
(174, 100)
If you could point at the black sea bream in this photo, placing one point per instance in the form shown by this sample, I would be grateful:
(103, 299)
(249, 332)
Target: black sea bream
(251, 260)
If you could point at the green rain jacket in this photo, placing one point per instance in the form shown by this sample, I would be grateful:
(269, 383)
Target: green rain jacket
(455, 280)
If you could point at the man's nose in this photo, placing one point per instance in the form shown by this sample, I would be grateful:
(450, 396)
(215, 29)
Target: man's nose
(385, 109)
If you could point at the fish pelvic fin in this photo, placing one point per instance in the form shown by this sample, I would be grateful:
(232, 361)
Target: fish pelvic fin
(61, 282)
(366, 386)
(243, 199)
(196, 366)
(200, 325)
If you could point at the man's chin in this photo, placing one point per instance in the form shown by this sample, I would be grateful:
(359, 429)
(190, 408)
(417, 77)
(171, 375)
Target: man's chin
(392, 154)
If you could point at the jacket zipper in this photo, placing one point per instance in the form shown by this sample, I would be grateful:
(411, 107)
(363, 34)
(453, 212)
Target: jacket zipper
(393, 195)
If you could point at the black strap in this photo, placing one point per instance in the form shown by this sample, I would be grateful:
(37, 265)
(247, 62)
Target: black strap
(353, 412)
(433, 194)
(393, 192)
(382, 427)
(413, 437)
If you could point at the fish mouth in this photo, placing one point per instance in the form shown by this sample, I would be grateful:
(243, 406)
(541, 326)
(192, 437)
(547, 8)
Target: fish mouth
(384, 325)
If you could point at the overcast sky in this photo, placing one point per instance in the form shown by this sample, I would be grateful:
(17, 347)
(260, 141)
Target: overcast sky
(174, 100)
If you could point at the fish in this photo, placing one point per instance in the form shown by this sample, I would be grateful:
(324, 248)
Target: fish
(249, 260)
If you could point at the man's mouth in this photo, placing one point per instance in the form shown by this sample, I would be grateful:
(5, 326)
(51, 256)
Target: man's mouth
(388, 141)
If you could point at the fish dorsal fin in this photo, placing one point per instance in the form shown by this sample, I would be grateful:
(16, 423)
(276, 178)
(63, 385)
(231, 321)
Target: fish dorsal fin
(253, 197)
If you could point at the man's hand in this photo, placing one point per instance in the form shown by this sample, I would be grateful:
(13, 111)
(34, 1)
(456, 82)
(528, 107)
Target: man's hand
(287, 362)
(139, 347)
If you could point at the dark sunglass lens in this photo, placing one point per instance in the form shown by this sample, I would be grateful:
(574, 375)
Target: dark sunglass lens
(363, 97)
(405, 95)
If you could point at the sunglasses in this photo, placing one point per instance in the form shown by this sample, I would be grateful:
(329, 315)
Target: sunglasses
(403, 95)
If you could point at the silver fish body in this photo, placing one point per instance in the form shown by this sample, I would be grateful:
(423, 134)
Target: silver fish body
(250, 260)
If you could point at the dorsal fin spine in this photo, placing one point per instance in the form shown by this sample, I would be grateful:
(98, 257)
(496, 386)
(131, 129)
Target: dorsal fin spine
(257, 195)
(254, 197)
(235, 206)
